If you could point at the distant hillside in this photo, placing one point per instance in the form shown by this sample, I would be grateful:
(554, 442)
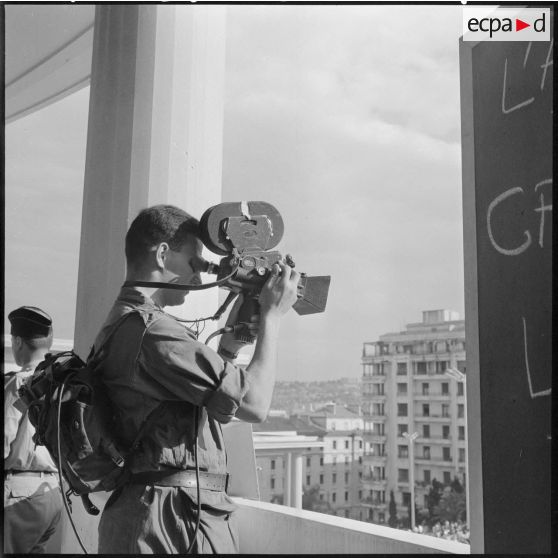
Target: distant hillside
(299, 396)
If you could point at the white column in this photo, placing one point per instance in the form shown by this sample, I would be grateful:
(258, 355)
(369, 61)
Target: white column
(287, 487)
(154, 136)
(296, 479)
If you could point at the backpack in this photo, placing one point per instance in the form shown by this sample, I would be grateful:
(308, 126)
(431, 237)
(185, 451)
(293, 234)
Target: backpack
(74, 419)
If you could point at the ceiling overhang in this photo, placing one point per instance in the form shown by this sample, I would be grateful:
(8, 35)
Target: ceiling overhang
(48, 52)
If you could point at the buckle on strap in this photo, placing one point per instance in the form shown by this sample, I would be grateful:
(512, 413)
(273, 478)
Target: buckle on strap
(208, 481)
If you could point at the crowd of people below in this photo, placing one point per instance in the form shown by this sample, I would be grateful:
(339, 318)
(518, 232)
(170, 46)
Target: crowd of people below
(450, 530)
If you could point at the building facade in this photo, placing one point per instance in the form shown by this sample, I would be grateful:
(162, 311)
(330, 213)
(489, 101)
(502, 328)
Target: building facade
(414, 413)
(331, 473)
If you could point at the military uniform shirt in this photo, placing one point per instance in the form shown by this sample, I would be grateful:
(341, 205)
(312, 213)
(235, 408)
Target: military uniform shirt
(20, 452)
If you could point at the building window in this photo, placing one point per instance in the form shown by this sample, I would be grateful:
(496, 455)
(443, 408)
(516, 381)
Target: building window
(346, 500)
(425, 388)
(426, 431)
(445, 431)
(272, 483)
(321, 461)
(346, 478)
(403, 475)
(321, 479)
(445, 388)
(307, 479)
(334, 445)
(461, 366)
(402, 409)
(426, 452)
(321, 496)
(406, 498)
(460, 410)
(402, 451)
(426, 476)
(382, 517)
(334, 478)
(346, 444)
(401, 368)
(308, 461)
(420, 367)
(460, 388)
(347, 460)
(441, 366)
(360, 444)
(461, 432)
(447, 477)
(462, 455)
(360, 459)
(272, 464)
(360, 475)
(446, 454)
(425, 410)
(402, 429)
(445, 410)
(401, 389)
(360, 494)
(333, 496)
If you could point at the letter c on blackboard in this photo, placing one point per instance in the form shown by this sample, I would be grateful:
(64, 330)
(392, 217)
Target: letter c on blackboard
(493, 204)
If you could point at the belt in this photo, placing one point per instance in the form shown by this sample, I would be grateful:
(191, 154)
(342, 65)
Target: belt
(208, 481)
(28, 473)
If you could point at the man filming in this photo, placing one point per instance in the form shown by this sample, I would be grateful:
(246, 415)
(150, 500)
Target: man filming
(32, 500)
(171, 392)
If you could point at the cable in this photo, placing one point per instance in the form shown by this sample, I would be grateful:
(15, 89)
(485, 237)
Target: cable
(60, 394)
(182, 286)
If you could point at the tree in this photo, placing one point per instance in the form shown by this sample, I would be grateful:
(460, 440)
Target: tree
(392, 521)
(311, 500)
(452, 506)
(456, 486)
(433, 499)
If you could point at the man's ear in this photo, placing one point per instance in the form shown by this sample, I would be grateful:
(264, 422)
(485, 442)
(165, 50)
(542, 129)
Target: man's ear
(162, 254)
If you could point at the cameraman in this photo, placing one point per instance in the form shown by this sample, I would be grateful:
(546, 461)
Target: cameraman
(32, 502)
(170, 390)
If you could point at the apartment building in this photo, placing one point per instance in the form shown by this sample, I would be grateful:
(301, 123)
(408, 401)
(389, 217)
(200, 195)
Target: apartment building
(414, 412)
(335, 467)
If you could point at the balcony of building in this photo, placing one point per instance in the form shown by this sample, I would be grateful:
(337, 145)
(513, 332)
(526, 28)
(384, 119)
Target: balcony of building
(432, 417)
(373, 481)
(436, 439)
(374, 437)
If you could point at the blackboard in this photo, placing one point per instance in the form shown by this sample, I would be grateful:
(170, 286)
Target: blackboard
(507, 201)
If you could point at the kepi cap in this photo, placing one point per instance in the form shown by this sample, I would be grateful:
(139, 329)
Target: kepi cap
(30, 322)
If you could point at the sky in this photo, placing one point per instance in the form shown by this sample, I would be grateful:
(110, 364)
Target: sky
(346, 118)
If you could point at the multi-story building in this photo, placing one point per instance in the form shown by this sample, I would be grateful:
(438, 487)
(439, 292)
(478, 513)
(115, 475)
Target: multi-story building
(406, 390)
(335, 467)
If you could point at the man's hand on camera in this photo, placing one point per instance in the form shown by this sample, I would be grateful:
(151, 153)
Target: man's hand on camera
(229, 346)
(280, 291)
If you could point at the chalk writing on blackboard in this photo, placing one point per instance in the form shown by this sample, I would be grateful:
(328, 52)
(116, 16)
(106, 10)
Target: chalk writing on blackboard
(507, 81)
(527, 369)
(542, 209)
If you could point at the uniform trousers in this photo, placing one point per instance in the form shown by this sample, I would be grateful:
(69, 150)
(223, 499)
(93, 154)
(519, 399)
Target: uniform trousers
(148, 519)
(32, 509)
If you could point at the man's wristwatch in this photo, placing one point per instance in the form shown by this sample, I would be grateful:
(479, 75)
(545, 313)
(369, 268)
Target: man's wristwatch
(227, 354)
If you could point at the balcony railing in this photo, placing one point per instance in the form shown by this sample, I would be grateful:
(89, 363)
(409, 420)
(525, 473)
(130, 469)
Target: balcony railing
(273, 529)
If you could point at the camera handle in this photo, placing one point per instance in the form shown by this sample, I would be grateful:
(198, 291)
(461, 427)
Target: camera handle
(249, 308)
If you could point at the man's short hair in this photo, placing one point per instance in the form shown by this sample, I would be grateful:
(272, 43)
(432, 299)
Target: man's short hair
(160, 223)
(39, 343)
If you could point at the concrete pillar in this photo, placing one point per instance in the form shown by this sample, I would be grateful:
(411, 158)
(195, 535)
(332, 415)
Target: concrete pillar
(287, 489)
(154, 136)
(296, 498)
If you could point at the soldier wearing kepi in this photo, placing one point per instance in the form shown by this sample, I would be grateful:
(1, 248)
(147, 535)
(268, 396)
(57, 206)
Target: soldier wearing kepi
(32, 499)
